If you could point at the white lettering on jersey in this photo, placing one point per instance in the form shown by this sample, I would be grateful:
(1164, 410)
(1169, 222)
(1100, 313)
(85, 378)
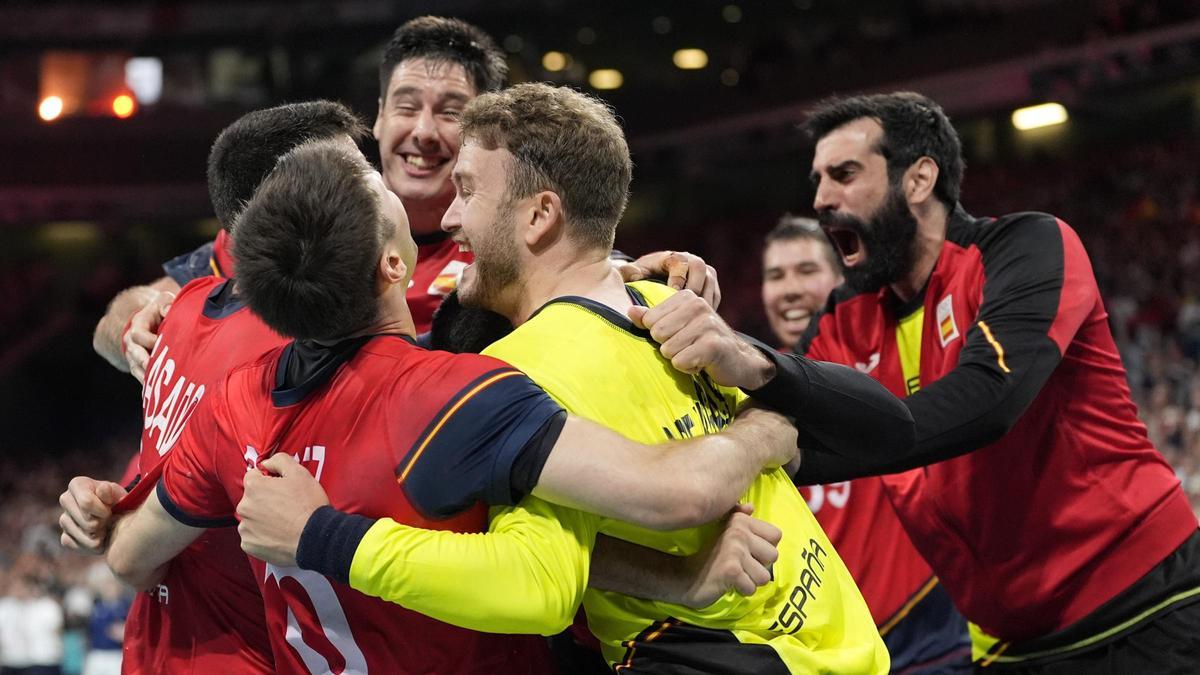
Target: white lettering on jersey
(836, 494)
(870, 365)
(165, 417)
(330, 618)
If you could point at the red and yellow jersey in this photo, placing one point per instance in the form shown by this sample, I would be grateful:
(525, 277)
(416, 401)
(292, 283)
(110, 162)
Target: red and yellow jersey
(1067, 503)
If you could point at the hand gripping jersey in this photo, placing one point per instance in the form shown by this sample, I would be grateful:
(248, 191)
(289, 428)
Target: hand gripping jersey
(440, 262)
(206, 616)
(389, 430)
(809, 618)
(1069, 507)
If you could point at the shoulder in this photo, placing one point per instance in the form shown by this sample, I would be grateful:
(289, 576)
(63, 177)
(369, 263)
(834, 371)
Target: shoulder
(1023, 231)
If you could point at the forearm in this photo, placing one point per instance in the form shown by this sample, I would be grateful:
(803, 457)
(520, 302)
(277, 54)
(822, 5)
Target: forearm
(526, 575)
(106, 340)
(663, 487)
(623, 567)
(143, 542)
(837, 409)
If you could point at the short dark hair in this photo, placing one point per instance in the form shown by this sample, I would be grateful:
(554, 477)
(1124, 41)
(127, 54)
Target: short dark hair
(437, 38)
(791, 227)
(564, 141)
(246, 151)
(309, 242)
(914, 126)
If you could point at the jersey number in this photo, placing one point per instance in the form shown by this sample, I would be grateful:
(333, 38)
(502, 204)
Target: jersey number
(320, 633)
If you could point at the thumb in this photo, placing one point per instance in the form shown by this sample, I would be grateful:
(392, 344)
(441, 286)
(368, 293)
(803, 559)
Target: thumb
(746, 508)
(165, 304)
(110, 493)
(280, 464)
(635, 314)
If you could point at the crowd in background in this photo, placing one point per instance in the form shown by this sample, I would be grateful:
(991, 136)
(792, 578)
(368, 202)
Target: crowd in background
(1138, 212)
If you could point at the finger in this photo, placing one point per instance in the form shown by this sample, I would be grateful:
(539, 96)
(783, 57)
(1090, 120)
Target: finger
(759, 574)
(763, 551)
(72, 510)
(87, 504)
(631, 272)
(697, 273)
(744, 585)
(137, 357)
(765, 530)
(746, 508)
(637, 315)
(280, 464)
(712, 289)
(168, 299)
(82, 540)
(677, 272)
(143, 338)
(110, 493)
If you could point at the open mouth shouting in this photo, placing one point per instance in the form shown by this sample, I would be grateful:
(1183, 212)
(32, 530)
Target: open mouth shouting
(848, 242)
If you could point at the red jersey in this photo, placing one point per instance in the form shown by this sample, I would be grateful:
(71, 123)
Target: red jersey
(439, 265)
(206, 616)
(1066, 503)
(389, 430)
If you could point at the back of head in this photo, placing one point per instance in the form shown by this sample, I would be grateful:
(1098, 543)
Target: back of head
(246, 151)
(914, 126)
(436, 38)
(309, 242)
(563, 141)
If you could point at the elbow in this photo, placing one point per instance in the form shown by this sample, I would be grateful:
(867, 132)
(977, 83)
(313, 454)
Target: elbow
(128, 570)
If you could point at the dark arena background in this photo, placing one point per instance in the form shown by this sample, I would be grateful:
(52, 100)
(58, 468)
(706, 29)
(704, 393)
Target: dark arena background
(108, 109)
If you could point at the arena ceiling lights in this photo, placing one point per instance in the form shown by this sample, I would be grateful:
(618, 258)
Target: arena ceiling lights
(1038, 116)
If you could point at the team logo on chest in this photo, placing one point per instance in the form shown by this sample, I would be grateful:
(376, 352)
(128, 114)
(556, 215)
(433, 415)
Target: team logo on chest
(947, 327)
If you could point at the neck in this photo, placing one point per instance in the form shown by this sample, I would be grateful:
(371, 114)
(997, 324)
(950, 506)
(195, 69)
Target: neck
(425, 217)
(932, 221)
(587, 274)
(394, 316)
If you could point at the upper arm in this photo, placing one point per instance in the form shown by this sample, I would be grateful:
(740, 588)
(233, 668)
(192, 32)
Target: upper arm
(191, 489)
(497, 421)
(1038, 291)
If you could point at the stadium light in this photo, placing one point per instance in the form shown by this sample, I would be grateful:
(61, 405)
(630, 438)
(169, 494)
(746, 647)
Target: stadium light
(1037, 116)
(50, 108)
(123, 106)
(690, 59)
(555, 61)
(606, 78)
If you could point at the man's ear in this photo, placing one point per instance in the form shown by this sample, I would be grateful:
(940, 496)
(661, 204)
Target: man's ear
(392, 269)
(920, 180)
(378, 119)
(543, 219)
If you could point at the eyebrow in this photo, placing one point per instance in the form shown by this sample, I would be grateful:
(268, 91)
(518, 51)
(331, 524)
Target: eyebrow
(815, 175)
(457, 96)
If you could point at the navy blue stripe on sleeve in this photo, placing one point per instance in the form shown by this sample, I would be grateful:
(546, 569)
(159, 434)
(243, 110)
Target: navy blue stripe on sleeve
(329, 541)
(469, 452)
(186, 518)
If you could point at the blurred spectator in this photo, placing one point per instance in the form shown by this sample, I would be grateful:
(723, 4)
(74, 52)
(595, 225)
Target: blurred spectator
(106, 629)
(31, 625)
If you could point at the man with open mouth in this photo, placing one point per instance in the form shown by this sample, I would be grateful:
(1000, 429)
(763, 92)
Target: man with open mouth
(1033, 491)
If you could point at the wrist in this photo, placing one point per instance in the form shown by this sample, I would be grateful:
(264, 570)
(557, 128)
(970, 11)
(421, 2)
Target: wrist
(757, 369)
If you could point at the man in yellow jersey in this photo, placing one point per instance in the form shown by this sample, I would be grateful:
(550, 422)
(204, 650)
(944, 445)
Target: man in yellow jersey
(541, 182)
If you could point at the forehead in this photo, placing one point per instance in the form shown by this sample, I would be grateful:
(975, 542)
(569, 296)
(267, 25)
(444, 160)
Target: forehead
(480, 163)
(432, 76)
(854, 141)
(786, 252)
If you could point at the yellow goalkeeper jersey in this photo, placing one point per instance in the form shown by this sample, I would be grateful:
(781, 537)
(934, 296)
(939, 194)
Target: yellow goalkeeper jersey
(810, 618)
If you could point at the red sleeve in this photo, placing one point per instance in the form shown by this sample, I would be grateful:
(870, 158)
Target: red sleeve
(191, 488)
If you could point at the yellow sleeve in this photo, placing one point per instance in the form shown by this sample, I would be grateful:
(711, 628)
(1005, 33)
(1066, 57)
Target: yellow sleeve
(527, 574)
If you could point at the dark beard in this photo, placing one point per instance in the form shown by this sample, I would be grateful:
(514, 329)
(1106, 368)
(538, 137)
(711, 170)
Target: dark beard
(465, 330)
(888, 242)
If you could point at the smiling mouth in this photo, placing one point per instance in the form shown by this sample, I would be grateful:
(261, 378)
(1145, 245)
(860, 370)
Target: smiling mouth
(423, 162)
(849, 245)
(794, 314)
